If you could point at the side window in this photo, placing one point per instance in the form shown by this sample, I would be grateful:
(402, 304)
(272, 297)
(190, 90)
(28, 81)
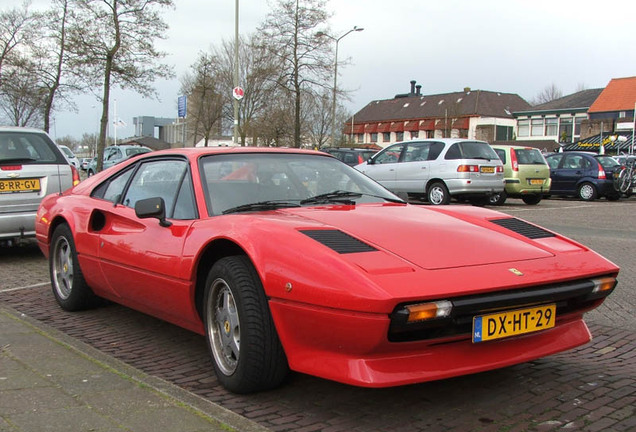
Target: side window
(573, 162)
(157, 179)
(553, 161)
(389, 155)
(502, 154)
(436, 150)
(416, 152)
(112, 190)
(453, 152)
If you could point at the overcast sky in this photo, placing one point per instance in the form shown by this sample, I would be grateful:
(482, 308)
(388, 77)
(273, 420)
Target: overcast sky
(497, 45)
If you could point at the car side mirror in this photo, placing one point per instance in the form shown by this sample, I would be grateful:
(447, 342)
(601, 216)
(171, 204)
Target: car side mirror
(152, 208)
(370, 161)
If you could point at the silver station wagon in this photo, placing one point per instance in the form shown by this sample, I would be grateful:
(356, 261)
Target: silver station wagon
(438, 169)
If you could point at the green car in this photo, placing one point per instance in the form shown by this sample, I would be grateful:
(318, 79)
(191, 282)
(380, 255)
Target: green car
(526, 173)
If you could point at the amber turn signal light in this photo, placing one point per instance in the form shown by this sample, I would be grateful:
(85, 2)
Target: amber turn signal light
(428, 311)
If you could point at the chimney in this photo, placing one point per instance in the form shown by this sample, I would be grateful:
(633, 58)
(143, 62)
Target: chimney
(418, 89)
(412, 86)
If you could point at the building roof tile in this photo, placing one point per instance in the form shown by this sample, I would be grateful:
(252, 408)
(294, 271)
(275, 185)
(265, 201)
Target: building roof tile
(619, 95)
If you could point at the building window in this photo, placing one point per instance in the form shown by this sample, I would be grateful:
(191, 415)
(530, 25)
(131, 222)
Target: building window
(360, 138)
(551, 126)
(622, 114)
(537, 127)
(374, 137)
(386, 136)
(503, 133)
(577, 125)
(415, 134)
(524, 127)
(565, 129)
(399, 136)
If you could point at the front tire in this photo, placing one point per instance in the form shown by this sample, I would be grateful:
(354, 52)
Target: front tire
(245, 349)
(70, 289)
(587, 192)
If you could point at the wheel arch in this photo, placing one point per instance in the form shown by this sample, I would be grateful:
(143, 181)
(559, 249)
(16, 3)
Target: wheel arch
(433, 180)
(214, 251)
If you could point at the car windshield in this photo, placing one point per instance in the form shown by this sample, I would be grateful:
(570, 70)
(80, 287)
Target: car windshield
(263, 181)
(607, 161)
(26, 147)
(529, 157)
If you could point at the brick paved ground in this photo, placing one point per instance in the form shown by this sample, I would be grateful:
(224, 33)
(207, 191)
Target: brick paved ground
(592, 388)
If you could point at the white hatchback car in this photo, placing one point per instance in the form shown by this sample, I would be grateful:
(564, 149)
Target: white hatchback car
(438, 169)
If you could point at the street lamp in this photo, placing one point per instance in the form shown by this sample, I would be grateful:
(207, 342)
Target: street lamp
(335, 79)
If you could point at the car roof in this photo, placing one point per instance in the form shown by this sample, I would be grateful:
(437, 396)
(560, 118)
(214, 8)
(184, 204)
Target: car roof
(442, 140)
(21, 129)
(516, 147)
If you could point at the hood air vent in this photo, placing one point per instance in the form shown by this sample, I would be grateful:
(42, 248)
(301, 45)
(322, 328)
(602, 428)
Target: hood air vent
(523, 228)
(338, 241)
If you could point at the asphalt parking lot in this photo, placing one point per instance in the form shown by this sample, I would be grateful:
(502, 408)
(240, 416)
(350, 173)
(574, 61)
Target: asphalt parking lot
(592, 388)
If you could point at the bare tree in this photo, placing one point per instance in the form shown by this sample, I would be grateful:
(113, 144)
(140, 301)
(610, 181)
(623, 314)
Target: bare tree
(21, 95)
(111, 43)
(289, 34)
(548, 94)
(50, 51)
(258, 74)
(205, 100)
(15, 29)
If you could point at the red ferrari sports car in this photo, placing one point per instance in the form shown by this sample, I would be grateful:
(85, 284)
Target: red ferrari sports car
(291, 260)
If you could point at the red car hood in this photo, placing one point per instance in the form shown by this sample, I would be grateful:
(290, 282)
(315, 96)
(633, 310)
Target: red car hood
(428, 237)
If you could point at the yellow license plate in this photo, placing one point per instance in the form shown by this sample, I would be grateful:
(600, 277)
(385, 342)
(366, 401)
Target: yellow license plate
(19, 185)
(513, 323)
(536, 181)
(488, 169)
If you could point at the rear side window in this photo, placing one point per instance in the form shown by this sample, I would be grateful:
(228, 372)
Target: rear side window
(28, 147)
(502, 154)
(529, 157)
(607, 161)
(471, 150)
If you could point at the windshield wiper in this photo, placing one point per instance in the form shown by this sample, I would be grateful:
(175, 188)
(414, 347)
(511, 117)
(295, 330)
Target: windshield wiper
(338, 196)
(261, 205)
(346, 197)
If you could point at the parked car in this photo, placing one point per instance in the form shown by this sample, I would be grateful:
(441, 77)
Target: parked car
(288, 259)
(116, 154)
(351, 156)
(438, 169)
(31, 166)
(526, 174)
(70, 156)
(582, 174)
(84, 163)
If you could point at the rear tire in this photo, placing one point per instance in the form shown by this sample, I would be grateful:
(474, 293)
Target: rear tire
(531, 199)
(437, 194)
(498, 198)
(587, 192)
(245, 349)
(70, 289)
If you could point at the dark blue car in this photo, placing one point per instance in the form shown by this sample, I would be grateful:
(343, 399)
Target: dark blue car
(585, 175)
